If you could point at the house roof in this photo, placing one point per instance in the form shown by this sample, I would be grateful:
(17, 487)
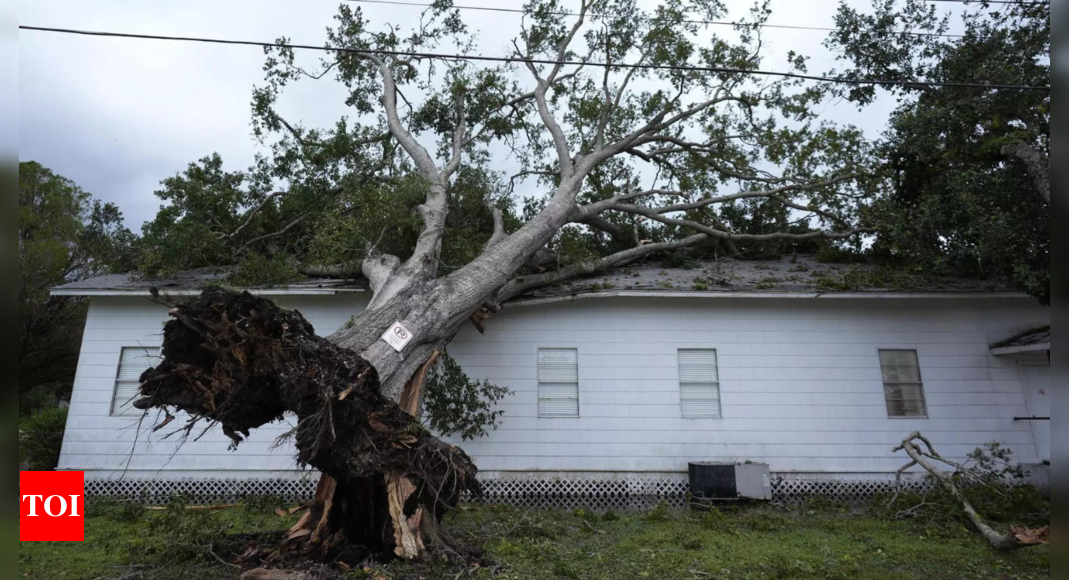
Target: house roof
(1035, 340)
(791, 276)
(798, 276)
(190, 283)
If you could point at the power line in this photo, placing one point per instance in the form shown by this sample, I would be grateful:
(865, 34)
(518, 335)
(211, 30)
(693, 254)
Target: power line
(1020, 2)
(710, 22)
(513, 60)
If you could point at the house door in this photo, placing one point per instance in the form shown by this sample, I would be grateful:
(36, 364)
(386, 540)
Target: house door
(1037, 389)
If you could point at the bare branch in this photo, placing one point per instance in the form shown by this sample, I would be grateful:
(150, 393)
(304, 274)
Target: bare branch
(655, 215)
(408, 142)
(458, 137)
(562, 50)
(252, 213)
(604, 225)
(292, 130)
(525, 283)
(560, 141)
(1017, 538)
(499, 234)
(279, 233)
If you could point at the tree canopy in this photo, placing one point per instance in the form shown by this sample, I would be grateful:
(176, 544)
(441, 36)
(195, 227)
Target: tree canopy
(745, 157)
(969, 169)
(64, 236)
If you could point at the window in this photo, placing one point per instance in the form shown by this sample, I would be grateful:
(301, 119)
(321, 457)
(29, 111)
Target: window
(132, 363)
(902, 384)
(699, 384)
(558, 383)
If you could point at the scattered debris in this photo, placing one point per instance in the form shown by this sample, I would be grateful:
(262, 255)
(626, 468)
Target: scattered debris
(924, 456)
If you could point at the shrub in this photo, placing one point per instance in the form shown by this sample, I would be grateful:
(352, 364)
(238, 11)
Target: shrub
(660, 512)
(41, 438)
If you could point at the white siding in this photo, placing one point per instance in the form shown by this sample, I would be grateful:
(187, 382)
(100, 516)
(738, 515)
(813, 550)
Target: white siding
(104, 445)
(800, 381)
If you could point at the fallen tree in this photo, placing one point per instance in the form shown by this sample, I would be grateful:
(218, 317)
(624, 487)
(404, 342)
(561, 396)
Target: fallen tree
(242, 362)
(923, 454)
(665, 145)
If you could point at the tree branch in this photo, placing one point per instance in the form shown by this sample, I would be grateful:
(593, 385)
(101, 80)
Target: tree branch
(1017, 538)
(520, 285)
(499, 234)
(279, 233)
(417, 152)
(458, 138)
(252, 213)
(656, 215)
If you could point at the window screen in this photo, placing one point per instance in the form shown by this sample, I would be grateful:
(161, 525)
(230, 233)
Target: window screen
(132, 364)
(699, 384)
(558, 383)
(902, 384)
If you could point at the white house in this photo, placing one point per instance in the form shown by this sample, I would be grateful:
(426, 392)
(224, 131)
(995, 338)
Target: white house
(632, 376)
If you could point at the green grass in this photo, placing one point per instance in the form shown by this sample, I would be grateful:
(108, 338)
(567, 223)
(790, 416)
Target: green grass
(758, 544)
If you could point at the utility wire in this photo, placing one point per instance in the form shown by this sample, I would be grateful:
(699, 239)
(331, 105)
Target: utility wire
(1021, 2)
(507, 59)
(710, 22)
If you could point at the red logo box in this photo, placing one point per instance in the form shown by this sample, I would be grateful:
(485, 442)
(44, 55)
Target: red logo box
(53, 506)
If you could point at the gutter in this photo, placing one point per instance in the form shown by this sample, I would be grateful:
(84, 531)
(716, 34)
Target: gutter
(1027, 349)
(587, 295)
(766, 295)
(258, 292)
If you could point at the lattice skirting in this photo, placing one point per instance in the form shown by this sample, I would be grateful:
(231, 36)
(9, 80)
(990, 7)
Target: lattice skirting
(617, 493)
(798, 491)
(207, 491)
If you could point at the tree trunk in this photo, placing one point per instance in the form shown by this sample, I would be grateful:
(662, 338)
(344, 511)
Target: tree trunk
(1037, 164)
(242, 362)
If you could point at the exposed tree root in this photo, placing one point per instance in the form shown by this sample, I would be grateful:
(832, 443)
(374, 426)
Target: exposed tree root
(242, 362)
(1018, 537)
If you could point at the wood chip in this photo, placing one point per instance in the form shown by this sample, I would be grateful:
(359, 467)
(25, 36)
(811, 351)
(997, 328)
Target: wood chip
(1029, 537)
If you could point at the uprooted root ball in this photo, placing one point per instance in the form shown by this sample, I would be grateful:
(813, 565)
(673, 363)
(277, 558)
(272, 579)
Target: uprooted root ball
(242, 362)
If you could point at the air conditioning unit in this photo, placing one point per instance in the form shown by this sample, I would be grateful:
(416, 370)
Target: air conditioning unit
(730, 482)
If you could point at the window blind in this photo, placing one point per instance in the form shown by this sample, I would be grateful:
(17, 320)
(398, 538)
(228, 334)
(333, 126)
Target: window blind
(132, 363)
(902, 384)
(558, 383)
(699, 384)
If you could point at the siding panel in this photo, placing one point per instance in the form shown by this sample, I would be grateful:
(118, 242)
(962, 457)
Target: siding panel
(800, 381)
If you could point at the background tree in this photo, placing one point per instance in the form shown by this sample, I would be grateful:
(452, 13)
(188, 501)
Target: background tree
(64, 236)
(645, 131)
(970, 168)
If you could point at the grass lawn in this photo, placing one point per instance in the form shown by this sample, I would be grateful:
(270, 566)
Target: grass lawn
(517, 544)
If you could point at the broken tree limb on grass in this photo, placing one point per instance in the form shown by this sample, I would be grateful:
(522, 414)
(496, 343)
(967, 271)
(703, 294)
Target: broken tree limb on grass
(1018, 537)
(242, 362)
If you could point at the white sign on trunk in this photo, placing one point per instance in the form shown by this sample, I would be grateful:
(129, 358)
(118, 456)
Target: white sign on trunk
(397, 336)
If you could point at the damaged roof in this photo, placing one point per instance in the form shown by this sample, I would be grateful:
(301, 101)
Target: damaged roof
(192, 281)
(1035, 340)
(798, 275)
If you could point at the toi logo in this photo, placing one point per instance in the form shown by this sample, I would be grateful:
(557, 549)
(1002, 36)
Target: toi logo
(53, 506)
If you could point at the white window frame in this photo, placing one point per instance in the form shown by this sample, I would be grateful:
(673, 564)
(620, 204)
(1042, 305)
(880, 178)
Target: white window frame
(123, 408)
(918, 383)
(546, 382)
(712, 381)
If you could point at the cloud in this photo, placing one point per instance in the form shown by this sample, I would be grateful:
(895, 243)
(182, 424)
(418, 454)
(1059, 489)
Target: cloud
(117, 116)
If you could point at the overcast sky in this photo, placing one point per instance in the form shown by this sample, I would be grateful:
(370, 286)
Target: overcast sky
(117, 116)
